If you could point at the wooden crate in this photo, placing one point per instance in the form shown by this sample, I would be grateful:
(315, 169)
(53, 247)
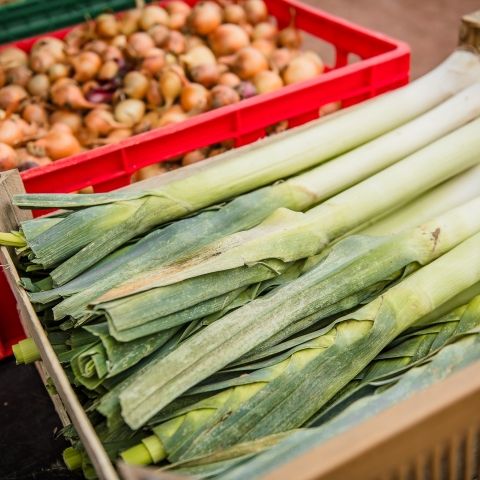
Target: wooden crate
(433, 435)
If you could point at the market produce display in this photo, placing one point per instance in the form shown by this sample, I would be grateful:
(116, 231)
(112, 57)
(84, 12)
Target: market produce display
(150, 67)
(273, 288)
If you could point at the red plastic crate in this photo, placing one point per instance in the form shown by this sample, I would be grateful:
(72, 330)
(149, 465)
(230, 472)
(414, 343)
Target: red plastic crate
(383, 65)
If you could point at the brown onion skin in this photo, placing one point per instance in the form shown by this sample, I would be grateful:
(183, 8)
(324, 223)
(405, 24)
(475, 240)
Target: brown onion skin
(248, 62)
(229, 79)
(205, 17)
(267, 81)
(194, 98)
(71, 119)
(35, 113)
(56, 144)
(206, 75)
(256, 11)
(300, 69)
(19, 75)
(11, 96)
(175, 43)
(221, 95)
(234, 13)
(228, 38)
(8, 158)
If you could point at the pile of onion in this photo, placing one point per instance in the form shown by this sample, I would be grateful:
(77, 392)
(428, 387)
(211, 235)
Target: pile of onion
(147, 68)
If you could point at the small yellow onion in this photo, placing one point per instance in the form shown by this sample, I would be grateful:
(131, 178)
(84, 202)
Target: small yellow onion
(41, 61)
(248, 62)
(139, 44)
(153, 15)
(11, 131)
(234, 13)
(39, 85)
(147, 123)
(129, 112)
(267, 47)
(193, 157)
(112, 53)
(11, 96)
(8, 158)
(120, 41)
(108, 70)
(301, 68)
(175, 43)
(12, 57)
(135, 84)
(281, 57)
(267, 81)
(194, 98)
(35, 113)
(71, 119)
(129, 21)
(256, 11)
(229, 79)
(66, 94)
(106, 25)
(170, 85)
(206, 75)
(194, 41)
(56, 144)
(265, 30)
(52, 45)
(200, 55)
(58, 70)
(227, 39)
(154, 95)
(19, 75)
(222, 95)
(172, 115)
(154, 61)
(178, 6)
(205, 17)
(147, 172)
(86, 66)
(159, 34)
(101, 121)
(97, 46)
(177, 21)
(290, 37)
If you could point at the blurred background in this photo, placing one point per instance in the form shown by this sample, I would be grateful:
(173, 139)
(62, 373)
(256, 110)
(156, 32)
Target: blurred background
(430, 27)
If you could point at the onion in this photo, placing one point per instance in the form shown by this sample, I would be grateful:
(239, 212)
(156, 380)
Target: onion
(135, 84)
(108, 70)
(19, 75)
(265, 30)
(193, 157)
(290, 37)
(314, 57)
(229, 79)
(11, 96)
(56, 144)
(35, 113)
(170, 86)
(205, 17)
(177, 6)
(11, 132)
(267, 81)
(52, 45)
(193, 41)
(113, 53)
(120, 41)
(67, 94)
(71, 119)
(58, 70)
(194, 98)
(27, 161)
(39, 85)
(300, 69)
(8, 157)
(256, 11)
(159, 34)
(248, 62)
(267, 47)
(228, 38)
(148, 172)
(129, 112)
(148, 122)
(153, 15)
(97, 46)
(281, 57)
(234, 13)
(206, 75)
(129, 21)
(101, 121)
(86, 66)
(154, 61)
(12, 57)
(76, 37)
(41, 61)
(177, 21)
(329, 108)
(154, 95)
(246, 90)
(117, 136)
(222, 95)
(175, 43)
(106, 25)
(197, 56)
(172, 115)
(139, 44)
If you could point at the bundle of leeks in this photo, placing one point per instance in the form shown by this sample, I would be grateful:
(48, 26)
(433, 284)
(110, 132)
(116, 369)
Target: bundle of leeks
(158, 300)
